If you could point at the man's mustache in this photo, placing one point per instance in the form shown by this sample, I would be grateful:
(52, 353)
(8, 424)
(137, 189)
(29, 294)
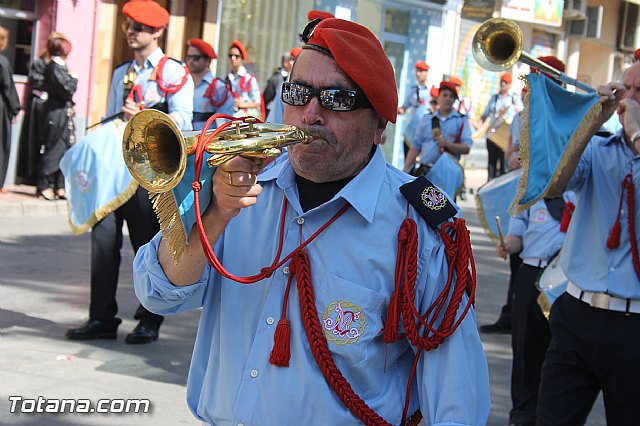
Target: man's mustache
(318, 132)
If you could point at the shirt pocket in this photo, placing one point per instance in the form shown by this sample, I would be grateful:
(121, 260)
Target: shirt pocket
(350, 318)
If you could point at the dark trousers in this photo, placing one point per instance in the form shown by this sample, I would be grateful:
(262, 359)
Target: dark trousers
(591, 350)
(505, 314)
(530, 338)
(106, 243)
(496, 165)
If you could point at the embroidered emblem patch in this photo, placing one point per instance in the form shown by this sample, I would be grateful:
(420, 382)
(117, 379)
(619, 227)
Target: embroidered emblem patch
(433, 199)
(83, 181)
(343, 323)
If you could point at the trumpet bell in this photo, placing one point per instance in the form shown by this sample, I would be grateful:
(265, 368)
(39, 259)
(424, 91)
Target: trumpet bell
(154, 150)
(497, 44)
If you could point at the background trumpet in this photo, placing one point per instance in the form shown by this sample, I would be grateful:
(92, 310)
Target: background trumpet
(497, 46)
(155, 150)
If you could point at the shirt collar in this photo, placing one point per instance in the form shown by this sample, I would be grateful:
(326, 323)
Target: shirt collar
(154, 58)
(362, 192)
(452, 114)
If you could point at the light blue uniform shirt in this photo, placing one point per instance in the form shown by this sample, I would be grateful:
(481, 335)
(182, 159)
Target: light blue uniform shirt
(417, 95)
(597, 183)
(277, 109)
(202, 103)
(511, 103)
(539, 231)
(352, 264)
(450, 127)
(180, 103)
(514, 131)
(245, 86)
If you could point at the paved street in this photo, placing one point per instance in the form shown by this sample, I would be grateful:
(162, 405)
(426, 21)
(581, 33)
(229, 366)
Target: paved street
(44, 271)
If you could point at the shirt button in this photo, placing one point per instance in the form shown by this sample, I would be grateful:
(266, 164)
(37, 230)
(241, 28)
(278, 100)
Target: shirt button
(285, 270)
(240, 424)
(621, 212)
(612, 269)
(254, 373)
(270, 320)
(300, 220)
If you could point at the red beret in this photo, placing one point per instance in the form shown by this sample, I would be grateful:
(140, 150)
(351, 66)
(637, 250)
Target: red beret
(450, 86)
(455, 80)
(422, 65)
(434, 92)
(205, 48)
(506, 77)
(146, 12)
(636, 54)
(240, 47)
(318, 14)
(295, 52)
(553, 62)
(358, 52)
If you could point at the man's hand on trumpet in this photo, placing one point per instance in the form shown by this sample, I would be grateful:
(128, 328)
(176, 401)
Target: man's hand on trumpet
(235, 186)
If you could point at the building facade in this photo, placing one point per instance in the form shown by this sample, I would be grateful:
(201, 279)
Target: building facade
(595, 38)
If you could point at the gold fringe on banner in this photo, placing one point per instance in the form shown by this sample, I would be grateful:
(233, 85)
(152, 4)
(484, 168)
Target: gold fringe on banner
(103, 211)
(171, 226)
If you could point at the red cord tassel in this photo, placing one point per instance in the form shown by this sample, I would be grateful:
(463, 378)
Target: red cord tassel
(281, 352)
(613, 242)
(569, 207)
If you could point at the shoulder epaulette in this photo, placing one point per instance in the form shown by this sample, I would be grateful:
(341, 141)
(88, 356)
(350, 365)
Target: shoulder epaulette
(429, 201)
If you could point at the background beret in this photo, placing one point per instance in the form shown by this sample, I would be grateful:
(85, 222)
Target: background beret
(318, 14)
(636, 54)
(147, 12)
(434, 92)
(295, 52)
(506, 77)
(448, 85)
(240, 47)
(455, 80)
(422, 65)
(359, 54)
(553, 62)
(205, 48)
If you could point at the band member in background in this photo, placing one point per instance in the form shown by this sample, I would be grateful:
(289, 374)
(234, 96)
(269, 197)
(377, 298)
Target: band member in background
(244, 86)
(419, 94)
(211, 94)
(444, 131)
(277, 107)
(150, 80)
(537, 235)
(342, 91)
(502, 107)
(595, 344)
(279, 76)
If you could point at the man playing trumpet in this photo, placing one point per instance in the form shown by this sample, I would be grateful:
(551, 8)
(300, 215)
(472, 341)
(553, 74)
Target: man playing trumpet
(334, 207)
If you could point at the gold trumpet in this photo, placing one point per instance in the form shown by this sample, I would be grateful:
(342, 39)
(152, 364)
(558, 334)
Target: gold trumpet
(155, 150)
(497, 46)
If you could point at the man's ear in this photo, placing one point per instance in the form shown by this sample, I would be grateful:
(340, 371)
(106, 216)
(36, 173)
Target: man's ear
(382, 125)
(158, 33)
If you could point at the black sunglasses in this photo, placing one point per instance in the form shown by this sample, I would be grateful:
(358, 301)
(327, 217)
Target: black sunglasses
(193, 57)
(297, 94)
(232, 56)
(136, 26)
